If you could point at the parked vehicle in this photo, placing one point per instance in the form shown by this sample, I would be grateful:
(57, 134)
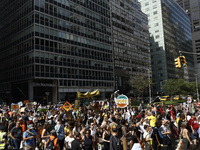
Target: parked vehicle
(177, 97)
(165, 98)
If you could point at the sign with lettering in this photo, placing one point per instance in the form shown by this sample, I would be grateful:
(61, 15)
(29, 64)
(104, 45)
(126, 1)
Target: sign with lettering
(67, 106)
(122, 101)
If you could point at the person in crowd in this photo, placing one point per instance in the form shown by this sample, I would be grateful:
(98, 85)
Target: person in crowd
(77, 144)
(51, 142)
(184, 136)
(16, 135)
(88, 139)
(115, 142)
(152, 119)
(3, 138)
(147, 138)
(194, 126)
(29, 138)
(106, 137)
(59, 128)
(68, 140)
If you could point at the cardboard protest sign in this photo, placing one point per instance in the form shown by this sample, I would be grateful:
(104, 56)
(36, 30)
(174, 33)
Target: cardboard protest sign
(43, 110)
(23, 109)
(67, 106)
(96, 107)
(14, 106)
(26, 101)
(122, 101)
(77, 105)
(189, 100)
(20, 103)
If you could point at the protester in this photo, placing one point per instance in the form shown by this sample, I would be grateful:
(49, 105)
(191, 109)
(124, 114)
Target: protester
(29, 138)
(144, 128)
(16, 135)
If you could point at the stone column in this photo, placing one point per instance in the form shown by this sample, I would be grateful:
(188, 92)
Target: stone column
(30, 90)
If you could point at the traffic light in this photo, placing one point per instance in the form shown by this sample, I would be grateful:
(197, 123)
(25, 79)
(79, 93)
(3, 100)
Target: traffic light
(183, 61)
(177, 62)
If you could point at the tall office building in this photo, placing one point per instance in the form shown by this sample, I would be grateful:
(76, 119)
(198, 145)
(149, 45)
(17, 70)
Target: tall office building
(130, 42)
(170, 32)
(50, 49)
(192, 7)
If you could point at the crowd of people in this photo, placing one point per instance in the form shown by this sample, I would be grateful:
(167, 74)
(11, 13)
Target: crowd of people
(146, 127)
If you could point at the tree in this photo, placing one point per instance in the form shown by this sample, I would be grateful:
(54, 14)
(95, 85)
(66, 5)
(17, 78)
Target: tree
(140, 83)
(179, 86)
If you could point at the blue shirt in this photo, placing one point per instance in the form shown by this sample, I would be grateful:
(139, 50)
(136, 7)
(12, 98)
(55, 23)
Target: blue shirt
(60, 132)
(28, 134)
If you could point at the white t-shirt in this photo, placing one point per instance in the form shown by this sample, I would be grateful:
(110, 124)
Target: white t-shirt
(68, 142)
(146, 135)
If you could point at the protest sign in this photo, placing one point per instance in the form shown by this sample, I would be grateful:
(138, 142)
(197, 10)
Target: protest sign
(43, 110)
(20, 103)
(67, 106)
(14, 106)
(26, 101)
(96, 107)
(77, 105)
(122, 101)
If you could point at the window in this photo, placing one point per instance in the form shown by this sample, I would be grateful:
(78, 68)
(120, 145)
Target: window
(146, 4)
(155, 24)
(155, 6)
(155, 12)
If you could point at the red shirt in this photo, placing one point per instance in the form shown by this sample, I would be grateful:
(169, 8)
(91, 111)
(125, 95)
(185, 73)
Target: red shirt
(194, 124)
(173, 114)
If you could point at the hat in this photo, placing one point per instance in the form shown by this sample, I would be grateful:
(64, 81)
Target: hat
(153, 112)
(30, 126)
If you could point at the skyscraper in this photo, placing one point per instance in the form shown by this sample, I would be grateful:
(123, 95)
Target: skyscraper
(170, 32)
(130, 42)
(50, 49)
(192, 7)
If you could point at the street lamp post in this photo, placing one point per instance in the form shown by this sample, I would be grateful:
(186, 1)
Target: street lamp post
(149, 82)
(197, 86)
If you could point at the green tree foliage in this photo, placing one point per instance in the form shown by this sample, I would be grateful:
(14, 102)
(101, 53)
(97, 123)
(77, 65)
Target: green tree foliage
(140, 83)
(179, 86)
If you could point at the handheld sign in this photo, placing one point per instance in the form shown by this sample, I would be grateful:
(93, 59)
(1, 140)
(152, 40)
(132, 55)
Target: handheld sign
(96, 107)
(122, 101)
(14, 106)
(20, 103)
(26, 101)
(67, 106)
(77, 104)
(189, 100)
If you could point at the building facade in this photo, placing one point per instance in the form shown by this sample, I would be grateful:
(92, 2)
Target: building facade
(50, 49)
(130, 43)
(192, 7)
(170, 32)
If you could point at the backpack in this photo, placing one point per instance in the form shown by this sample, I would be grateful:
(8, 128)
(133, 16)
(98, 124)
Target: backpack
(50, 144)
